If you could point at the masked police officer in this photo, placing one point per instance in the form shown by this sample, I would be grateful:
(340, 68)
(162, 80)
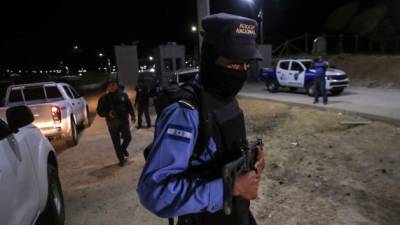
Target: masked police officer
(320, 67)
(178, 180)
(115, 106)
(142, 103)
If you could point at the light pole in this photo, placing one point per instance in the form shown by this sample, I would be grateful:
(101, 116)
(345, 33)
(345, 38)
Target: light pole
(195, 54)
(260, 17)
(101, 55)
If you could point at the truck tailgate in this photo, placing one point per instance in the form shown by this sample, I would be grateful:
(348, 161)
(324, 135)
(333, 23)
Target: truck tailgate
(42, 114)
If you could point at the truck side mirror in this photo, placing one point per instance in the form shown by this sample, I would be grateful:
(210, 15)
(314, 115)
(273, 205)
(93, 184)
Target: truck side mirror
(19, 116)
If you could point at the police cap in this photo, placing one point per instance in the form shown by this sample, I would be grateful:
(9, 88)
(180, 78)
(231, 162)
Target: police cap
(232, 36)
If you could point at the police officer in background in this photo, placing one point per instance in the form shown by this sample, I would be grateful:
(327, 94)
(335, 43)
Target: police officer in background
(142, 103)
(320, 67)
(155, 93)
(116, 107)
(176, 181)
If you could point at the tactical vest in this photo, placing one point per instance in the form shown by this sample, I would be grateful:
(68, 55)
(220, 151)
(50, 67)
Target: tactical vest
(226, 125)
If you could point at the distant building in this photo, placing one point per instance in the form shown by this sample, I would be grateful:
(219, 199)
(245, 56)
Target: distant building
(128, 66)
(168, 59)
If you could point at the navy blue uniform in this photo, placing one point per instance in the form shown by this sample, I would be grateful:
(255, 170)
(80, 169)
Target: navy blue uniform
(320, 81)
(120, 107)
(142, 103)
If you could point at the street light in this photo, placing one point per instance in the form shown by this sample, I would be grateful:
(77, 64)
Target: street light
(194, 30)
(260, 17)
(101, 54)
(151, 58)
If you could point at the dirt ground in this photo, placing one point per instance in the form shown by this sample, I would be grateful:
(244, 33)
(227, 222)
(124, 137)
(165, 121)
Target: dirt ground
(318, 171)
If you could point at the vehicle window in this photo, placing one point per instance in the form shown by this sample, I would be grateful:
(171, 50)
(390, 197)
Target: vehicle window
(34, 93)
(284, 65)
(4, 130)
(53, 92)
(15, 96)
(74, 92)
(296, 67)
(66, 89)
(187, 77)
(307, 64)
(168, 65)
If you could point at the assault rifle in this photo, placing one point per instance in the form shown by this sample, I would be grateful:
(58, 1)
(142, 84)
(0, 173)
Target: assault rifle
(235, 168)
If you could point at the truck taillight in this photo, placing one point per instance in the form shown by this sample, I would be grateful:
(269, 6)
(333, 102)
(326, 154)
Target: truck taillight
(56, 113)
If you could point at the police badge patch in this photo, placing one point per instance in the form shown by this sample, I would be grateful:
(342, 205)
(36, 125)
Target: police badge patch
(179, 133)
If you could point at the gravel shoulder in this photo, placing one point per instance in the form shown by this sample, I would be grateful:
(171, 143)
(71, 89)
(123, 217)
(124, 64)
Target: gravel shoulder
(318, 171)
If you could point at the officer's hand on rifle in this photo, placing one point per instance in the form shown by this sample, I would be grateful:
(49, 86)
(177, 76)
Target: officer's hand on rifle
(260, 164)
(111, 115)
(246, 185)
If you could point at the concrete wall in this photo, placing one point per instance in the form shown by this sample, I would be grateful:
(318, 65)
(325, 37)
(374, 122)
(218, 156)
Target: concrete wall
(172, 52)
(128, 66)
(266, 52)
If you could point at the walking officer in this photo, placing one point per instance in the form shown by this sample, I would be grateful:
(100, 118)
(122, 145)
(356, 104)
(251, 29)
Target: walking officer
(142, 103)
(116, 107)
(195, 139)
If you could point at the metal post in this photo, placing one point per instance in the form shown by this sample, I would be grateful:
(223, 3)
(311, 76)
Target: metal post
(356, 43)
(203, 10)
(306, 43)
(341, 43)
(261, 22)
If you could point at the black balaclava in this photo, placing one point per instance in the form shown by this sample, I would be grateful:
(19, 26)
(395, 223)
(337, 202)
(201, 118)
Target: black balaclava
(218, 80)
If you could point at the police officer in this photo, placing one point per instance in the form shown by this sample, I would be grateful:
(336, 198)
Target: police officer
(320, 67)
(179, 181)
(142, 103)
(155, 93)
(115, 106)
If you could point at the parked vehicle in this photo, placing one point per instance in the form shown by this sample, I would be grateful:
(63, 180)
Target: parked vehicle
(185, 75)
(30, 189)
(57, 107)
(297, 73)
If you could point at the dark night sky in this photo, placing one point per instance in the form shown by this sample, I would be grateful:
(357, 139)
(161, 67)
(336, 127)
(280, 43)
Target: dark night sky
(39, 33)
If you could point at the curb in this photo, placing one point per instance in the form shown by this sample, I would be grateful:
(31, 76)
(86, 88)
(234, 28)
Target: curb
(348, 112)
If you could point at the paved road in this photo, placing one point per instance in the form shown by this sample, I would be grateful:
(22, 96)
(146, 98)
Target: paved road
(373, 102)
(96, 190)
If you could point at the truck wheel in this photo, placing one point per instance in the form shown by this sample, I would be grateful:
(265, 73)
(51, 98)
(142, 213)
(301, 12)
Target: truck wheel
(337, 92)
(272, 85)
(72, 138)
(310, 88)
(54, 213)
(86, 121)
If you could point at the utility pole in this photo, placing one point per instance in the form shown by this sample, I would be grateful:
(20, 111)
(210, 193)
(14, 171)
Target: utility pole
(203, 10)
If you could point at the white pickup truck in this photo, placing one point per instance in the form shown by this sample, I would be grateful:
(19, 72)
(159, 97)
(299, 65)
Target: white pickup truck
(297, 73)
(30, 189)
(57, 107)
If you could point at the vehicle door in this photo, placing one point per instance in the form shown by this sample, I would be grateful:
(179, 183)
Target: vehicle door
(74, 103)
(296, 74)
(19, 190)
(81, 104)
(282, 72)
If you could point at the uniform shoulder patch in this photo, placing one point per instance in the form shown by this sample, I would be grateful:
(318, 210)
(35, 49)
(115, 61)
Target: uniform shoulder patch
(179, 133)
(186, 104)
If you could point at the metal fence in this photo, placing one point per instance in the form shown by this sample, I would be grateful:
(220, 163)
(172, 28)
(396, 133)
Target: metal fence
(339, 44)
